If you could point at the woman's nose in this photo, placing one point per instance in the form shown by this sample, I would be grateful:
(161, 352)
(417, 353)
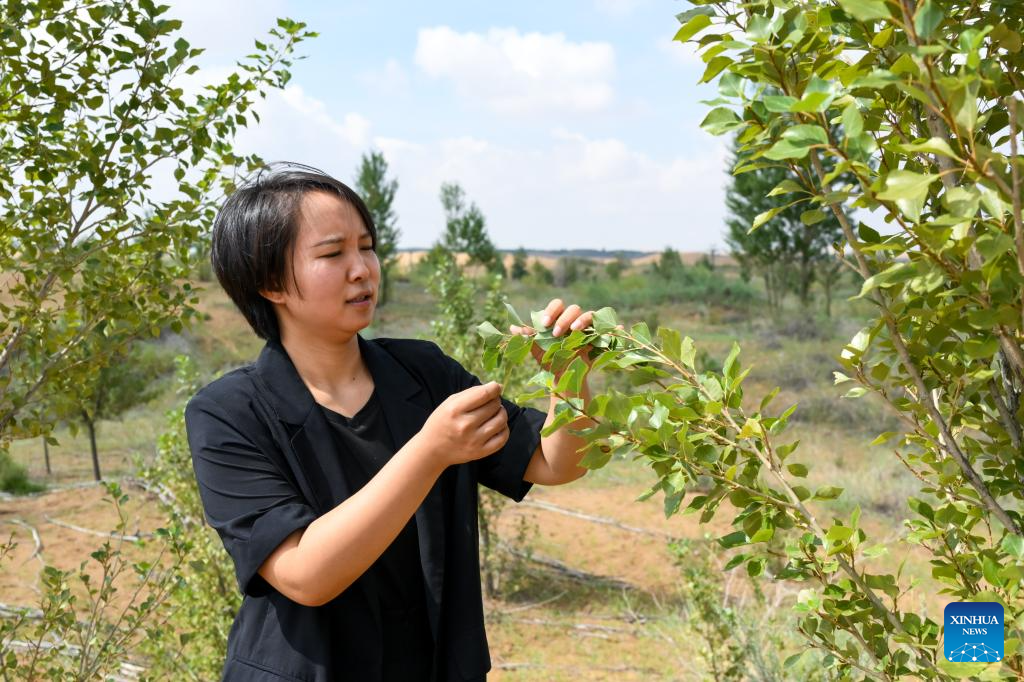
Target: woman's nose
(359, 269)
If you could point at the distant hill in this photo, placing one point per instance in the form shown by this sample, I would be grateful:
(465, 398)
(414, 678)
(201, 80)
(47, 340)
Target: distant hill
(410, 256)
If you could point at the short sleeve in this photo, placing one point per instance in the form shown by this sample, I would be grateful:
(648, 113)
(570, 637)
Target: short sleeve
(246, 499)
(503, 470)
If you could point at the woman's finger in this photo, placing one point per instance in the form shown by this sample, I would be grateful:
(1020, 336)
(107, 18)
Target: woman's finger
(583, 320)
(551, 311)
(565, 319)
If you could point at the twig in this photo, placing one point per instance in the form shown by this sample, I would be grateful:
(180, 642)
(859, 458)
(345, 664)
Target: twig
(1018, 223)
(586, 627)
(532, 605)
(98, 533)
(608, 521)
(568, 571)
(35, 538)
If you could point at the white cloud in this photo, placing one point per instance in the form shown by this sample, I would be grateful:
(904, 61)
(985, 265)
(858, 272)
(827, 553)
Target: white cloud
(391, 79)
(353, 128)
(570, 191)
(574, 192)
(227, 28)
(297, 127)
(513, 73)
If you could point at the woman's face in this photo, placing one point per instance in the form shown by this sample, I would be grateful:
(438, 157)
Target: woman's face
(333, 263)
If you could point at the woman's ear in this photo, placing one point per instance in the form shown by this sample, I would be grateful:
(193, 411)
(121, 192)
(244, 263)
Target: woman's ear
(272, 296)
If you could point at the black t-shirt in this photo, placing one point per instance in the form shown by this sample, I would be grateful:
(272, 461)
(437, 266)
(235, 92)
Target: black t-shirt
(365, 445)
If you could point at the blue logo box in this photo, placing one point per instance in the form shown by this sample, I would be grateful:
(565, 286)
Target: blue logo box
(973, 632)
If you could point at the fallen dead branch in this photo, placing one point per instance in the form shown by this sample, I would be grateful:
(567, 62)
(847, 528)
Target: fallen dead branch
(583, 673)
(603, 520)
(35, 537)
(98, 533)
(566, 571)
(584, 627)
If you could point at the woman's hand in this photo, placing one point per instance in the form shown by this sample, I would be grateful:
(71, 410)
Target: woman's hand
(468, 425)
(565, 320)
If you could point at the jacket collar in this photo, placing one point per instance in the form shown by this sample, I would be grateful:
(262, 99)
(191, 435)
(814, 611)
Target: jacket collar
(291, 397)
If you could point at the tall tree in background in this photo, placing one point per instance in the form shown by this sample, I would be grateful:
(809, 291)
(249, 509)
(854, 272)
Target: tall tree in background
(87, 246)
(466, 229)
(519, 269)
(669, 264)
(378, 192)
(791, 247)
(128, 381)
(928, 97)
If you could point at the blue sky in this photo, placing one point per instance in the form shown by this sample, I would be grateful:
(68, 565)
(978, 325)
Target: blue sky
(572, 124)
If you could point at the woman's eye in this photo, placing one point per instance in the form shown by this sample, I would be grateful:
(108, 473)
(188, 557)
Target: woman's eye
(331, 255)
(367, 248)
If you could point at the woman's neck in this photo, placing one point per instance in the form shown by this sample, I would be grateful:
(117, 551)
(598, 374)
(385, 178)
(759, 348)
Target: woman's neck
(326, 367)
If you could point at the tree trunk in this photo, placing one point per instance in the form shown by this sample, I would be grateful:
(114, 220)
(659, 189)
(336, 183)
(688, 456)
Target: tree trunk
(46, 455)
(768, 287)
(384, 294)
(92, 444)
(806, 278)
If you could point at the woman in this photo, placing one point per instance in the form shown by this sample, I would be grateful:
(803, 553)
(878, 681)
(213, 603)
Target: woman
(341, 473)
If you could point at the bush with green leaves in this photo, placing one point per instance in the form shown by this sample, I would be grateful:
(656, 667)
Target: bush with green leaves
(691, 426)
(84, 629)
(203, 607)
(920, 103)
(458, 304)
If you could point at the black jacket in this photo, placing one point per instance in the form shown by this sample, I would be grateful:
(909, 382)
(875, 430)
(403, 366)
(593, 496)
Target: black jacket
(266, 466)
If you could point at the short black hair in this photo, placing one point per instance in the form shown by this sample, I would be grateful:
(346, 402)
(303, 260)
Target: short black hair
(255, 231)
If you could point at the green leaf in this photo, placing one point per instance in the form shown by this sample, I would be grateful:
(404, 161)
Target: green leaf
(517, 349)
(513, 315)
(684, 17)
(715, 67)
(688, 353)
(909, 190)
(1014, 546)
(882, 437)
(761, 218)
(891, 276)
(797, 141)
(853, 123)
(696, 24)
(981, 348)
(787, 186)
(671, 343)
(730, 361)
(934, 145)
(865, 10)
(927, 18)
(768, 398)
(488, 330)
(721, 120)
(827, 492)
(812, 217)
(734, 539)
(779, 104)
(604, 320)
(797, 469)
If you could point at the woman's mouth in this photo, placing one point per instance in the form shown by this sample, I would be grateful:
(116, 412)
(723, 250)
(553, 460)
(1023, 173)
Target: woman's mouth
(361, 300)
